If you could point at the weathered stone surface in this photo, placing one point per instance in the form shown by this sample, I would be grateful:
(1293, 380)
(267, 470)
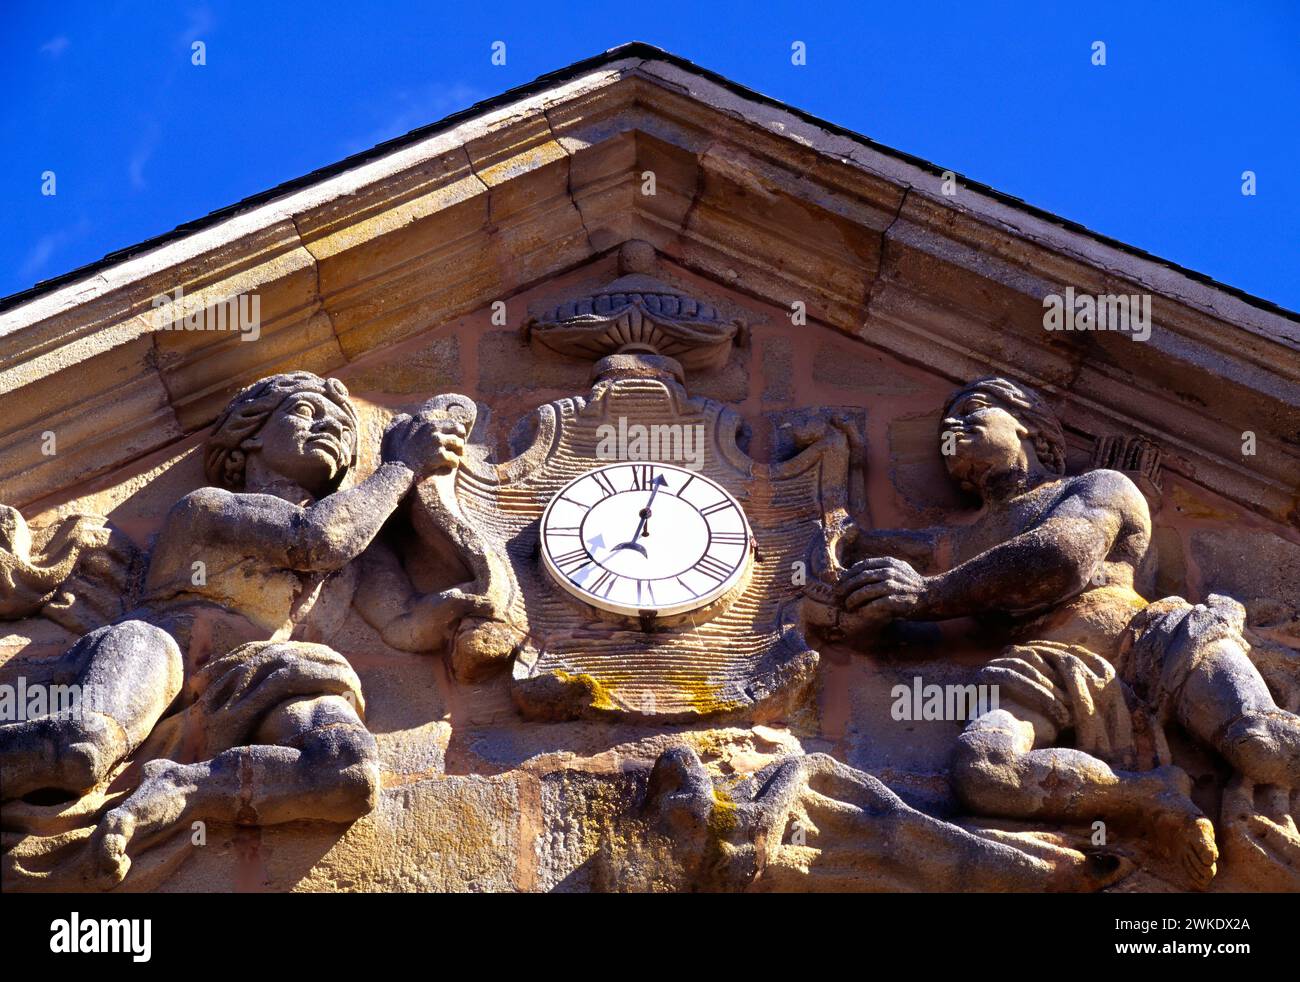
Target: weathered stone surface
(1247, 563)
(778, 369)
(1060, 557)
(372, 680)
(500, 351)
(428, 364)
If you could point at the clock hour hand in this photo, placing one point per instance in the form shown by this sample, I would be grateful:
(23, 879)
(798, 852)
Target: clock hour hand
(598, 543)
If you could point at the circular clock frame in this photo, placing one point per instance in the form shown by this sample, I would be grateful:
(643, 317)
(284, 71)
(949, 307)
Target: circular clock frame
(698, 584)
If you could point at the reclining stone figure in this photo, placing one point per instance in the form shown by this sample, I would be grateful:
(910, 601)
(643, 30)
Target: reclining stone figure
(1058, 556)
(218, 681)
(810, 823)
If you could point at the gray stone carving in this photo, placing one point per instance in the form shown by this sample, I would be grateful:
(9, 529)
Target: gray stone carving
(1055, 557)
(216, 682)
(216, 695)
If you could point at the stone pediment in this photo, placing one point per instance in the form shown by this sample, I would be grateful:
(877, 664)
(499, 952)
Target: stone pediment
(634, 242)
(751, 194)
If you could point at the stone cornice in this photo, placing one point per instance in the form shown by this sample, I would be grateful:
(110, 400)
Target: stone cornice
(748, 193)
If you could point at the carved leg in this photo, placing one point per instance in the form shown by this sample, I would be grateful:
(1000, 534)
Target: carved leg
(128, 675)
(996, 771)
(1226, 704)
(856, 834)
(405, 619)
(318, 761)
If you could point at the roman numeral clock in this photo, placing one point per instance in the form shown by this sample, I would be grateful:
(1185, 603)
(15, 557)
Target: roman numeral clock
(646, 540)
(636, 589)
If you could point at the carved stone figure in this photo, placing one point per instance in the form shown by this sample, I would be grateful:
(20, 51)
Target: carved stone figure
(810, 823)
(263, 722)
(630, 589)
(1057, 556)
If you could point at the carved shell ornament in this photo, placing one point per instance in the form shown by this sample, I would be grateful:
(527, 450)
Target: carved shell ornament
(638, 312)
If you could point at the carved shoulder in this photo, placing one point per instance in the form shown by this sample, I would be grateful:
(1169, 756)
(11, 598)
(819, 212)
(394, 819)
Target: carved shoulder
(204, 500)
(1111, 500)
(199, 513)
(1114, 491)
(217, 509)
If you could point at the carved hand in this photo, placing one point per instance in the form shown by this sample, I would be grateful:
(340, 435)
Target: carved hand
(887, 587)
(425, 445)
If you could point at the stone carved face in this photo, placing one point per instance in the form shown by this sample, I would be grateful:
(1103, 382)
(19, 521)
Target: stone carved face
(292, 426)
(986, 440)
(307, 439)
(995, 430)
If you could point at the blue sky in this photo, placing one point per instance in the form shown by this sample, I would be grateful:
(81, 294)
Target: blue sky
(1149, 148)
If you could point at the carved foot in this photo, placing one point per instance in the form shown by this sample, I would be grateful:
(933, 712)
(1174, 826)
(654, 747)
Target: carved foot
(159, 805)
(464, 603)
(1262, 836)
(441, 613)
(1179, 830)
(482, 646)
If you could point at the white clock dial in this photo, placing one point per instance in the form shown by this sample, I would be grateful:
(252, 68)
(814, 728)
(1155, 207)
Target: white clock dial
(637, 538)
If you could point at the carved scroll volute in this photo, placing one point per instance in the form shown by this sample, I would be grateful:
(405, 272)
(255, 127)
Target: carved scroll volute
(638, 313)
(1135, 456)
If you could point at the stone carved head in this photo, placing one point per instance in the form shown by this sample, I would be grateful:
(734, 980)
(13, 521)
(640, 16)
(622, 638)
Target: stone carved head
(303, 427)
(998, 427)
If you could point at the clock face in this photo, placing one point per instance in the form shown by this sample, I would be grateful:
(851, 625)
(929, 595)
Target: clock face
(637, 538)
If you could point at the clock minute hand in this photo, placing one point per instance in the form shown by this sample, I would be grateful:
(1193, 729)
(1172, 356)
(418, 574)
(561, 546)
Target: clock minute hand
(644, 528)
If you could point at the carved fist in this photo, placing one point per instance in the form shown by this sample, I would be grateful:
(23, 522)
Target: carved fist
(426, 445)
(884, 589)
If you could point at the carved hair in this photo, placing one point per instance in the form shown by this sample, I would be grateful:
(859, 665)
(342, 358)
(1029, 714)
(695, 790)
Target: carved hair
(1028, 407)
(224, 456)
